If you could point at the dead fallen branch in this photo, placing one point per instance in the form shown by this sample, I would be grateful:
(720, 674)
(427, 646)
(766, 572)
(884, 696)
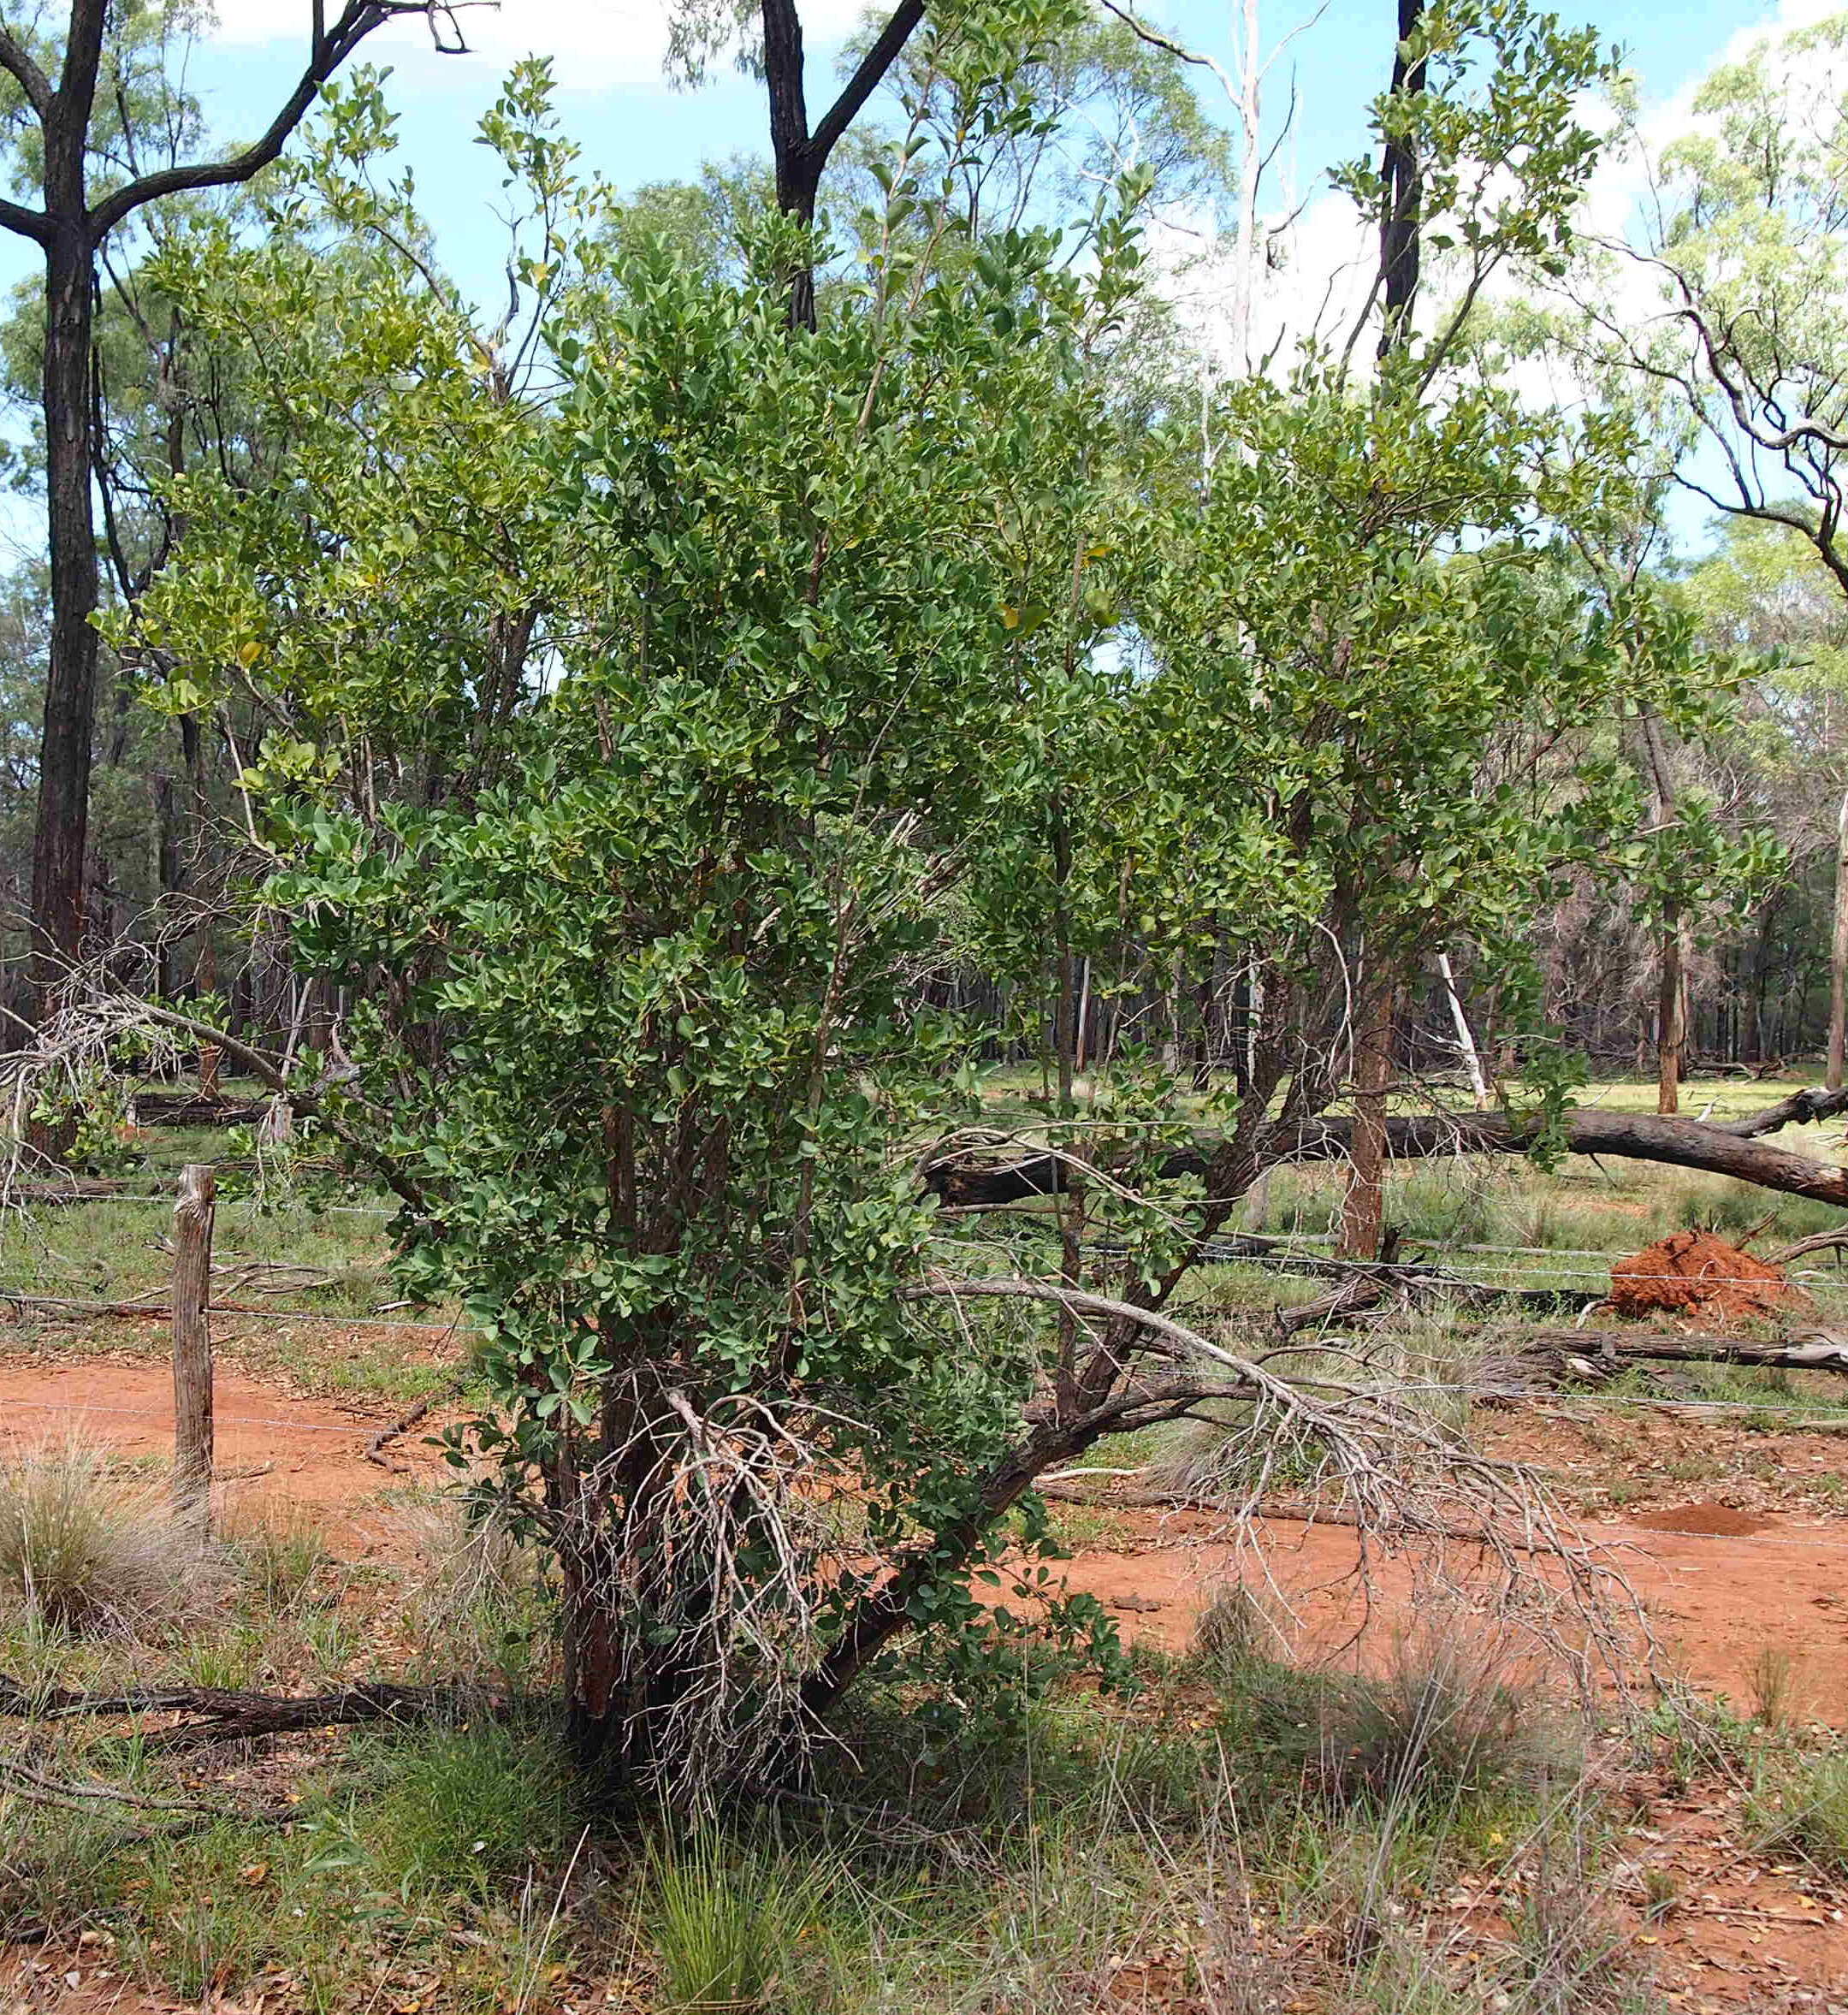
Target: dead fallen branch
(87, 1189)
(191, 1109)
(1287, 1512)
(1541, 1360)
(375, 1447)
(1732, 1148)
(1819, 1353)
(18, 1779)
(220, 1714)
(1816, 1242)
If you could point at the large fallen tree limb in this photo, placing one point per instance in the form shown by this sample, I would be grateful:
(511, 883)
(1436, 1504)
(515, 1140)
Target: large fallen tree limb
(1818, 1355)
(1734, 1148)
(1517, 1361)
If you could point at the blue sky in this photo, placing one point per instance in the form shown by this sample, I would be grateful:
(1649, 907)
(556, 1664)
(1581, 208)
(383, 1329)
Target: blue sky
(634, 129)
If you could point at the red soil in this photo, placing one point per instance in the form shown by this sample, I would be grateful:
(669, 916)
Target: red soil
(1722, 1585)
(1694, 1273)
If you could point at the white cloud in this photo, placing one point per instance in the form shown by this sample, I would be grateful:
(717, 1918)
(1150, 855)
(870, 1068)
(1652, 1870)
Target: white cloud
(594, 45)
(1325, 257)
(1311, 282)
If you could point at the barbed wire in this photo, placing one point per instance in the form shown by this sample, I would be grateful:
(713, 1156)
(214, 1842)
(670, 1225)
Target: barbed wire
(81, 1409)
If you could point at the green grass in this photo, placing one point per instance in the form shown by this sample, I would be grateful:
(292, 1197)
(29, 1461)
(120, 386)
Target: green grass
(1802, 1807)
(725, 1918)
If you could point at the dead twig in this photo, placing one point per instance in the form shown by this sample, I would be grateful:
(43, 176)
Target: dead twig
(375, 1451)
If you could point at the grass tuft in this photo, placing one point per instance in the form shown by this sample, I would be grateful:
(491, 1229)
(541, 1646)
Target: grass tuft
(725, 1919)
(1440, 1728)
(278, 1551)
(1803, 1809)
(87, 1550)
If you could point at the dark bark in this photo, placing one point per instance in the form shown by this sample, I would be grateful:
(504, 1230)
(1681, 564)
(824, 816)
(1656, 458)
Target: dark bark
(220, 1714)
(70, 234)
(63, 824)
(1402, 216)
(802, 156)
(1364, 1203)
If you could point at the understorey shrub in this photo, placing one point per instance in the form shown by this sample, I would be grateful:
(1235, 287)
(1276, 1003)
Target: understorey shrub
(810, 669)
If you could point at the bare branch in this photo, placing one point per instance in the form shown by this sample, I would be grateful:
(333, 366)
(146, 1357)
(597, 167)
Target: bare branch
(17, 60)
(330, 50)
(865, 81)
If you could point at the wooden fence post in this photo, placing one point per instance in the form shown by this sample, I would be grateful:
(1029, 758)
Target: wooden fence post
(192, 1346)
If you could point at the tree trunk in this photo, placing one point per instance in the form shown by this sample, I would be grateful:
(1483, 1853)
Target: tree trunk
(191, 1347)
(798, 174)
(205, 946)
(1172, 998)
(62, 824)
(1671, 1025)
(1364, 1206)
(1203, 999)
(1837, 1028)
(1251, 164)
(1084, 1017)
(800, 155)
(1670, 1001)
(1401, 218)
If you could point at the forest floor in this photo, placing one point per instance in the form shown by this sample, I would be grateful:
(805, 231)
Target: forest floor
(1208, 1841)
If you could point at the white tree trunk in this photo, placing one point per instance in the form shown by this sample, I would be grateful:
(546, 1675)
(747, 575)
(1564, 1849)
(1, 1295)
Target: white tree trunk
(1465, 1040)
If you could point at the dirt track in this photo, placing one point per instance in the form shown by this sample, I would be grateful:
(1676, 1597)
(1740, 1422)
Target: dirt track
(1721, 1581)
(1720, 1584)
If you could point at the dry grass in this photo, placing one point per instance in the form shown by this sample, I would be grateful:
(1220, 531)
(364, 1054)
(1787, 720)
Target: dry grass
(477, 1609)
(90, 1551)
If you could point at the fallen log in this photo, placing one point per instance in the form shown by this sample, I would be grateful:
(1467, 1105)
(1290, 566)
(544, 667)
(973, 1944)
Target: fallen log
(222, 1715)
(1607, 1347)
(193, 1109)
(1734, 1147)
(77, 1191)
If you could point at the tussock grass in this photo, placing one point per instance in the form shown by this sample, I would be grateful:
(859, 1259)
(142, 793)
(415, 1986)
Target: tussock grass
(1571, 1955)
(479, 1606)
(86, 1549)
(1441, 1727)
(725, 1918)
(462, 1810)
(1802, 1808)
(277, 1549)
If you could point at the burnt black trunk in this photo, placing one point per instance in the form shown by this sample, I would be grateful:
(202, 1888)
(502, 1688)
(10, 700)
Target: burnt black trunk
(62, 827)
(800, 155)
(1402, 215)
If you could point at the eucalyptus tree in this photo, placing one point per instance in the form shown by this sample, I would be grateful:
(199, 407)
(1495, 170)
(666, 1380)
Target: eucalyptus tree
(81, 179)
(1726, 306)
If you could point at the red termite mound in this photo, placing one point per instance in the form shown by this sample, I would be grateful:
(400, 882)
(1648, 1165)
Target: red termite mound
(1694, 1273)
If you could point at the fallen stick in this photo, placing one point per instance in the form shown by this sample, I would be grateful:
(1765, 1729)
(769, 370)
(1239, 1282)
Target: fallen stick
(405, 1423)
(224, 1715)
(1290, 1511)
